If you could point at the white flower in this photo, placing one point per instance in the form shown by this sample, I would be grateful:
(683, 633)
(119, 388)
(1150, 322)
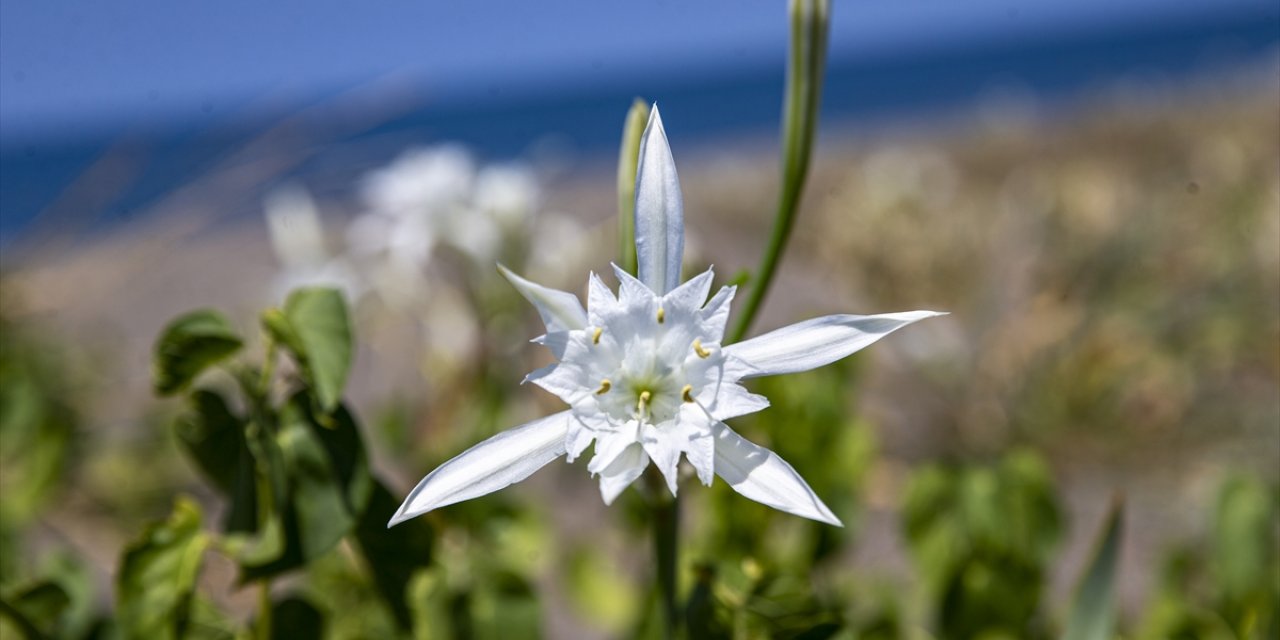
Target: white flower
(297, 237)
(646, 378)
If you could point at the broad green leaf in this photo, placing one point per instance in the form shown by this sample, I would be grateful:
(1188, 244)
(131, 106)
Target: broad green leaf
(36, 609)
(158, 574)
(189, 345)
(325, 484)
(314, 326)
(393, 554)
(214, 437)
(316, 495)
(1093, 616)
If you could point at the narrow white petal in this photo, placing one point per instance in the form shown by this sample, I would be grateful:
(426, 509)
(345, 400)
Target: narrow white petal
(630, 290)
(759, 474)
(509, 457)
(610, 445)
(716, 313)
(730, 400)
(699, 446)
(556, 341)
(690, 296)
(600, 300)
(560, 310)
(813, 343)
(664, 449)
(622, 472)
(659, 210)
(577, 439)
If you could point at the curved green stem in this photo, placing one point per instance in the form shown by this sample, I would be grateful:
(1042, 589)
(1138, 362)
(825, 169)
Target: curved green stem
(805, 69)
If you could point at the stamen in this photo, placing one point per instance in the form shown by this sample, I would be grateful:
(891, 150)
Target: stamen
(687, 393)
(697, 348)
(605, 385)
(595, 337)
(644, 402)
(662, 315)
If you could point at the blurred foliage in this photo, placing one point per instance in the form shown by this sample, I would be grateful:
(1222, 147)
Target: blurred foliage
(1113, 291)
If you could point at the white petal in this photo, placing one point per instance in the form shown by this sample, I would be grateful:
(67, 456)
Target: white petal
(699, 445)
(509, 457)
(759, 474)
(622, 472)
(730, 400)
(610, 445)
(659, 210)
(689, 296)
(600, 300)
(556, 341)
(577, 439)
(813, 343)
(630, 290)
(560, 310)
(664, 449)
(716, 314)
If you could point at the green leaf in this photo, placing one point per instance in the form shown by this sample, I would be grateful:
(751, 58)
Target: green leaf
(214, 438)
(187, 346)
(316, 494)
(36, 609)
(325, 486)
(1093, 616)
(158, 575)
(394, 555)
(314, 326)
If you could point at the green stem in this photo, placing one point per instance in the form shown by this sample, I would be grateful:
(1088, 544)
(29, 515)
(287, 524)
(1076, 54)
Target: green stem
(264, 609)
(805, 68)
(268, 368)
(666, 528)
(628, 158)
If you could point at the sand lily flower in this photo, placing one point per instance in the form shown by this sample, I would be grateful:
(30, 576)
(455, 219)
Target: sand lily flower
(298, 240)
(646, 378)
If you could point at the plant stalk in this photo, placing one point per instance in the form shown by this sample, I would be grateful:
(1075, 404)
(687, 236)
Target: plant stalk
(666, 529)
(805, 70)
(628, 160)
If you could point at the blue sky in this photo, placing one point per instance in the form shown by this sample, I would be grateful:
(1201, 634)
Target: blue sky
(66, 63)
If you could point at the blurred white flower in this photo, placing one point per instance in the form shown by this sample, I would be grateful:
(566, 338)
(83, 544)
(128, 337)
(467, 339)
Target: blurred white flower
(646, 378)
(421, 181)
(297, 237)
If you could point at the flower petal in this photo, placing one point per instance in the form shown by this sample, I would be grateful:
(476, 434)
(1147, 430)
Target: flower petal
(690, 296)
(716, 313)
(622, 472)
(659, 211)
(759, 474)
(504, 459)
(813, 343)
(664, 449)
(560, 310)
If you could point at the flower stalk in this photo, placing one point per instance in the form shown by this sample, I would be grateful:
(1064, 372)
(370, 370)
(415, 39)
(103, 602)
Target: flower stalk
(666, 550)
(806, 66)
(628, 157)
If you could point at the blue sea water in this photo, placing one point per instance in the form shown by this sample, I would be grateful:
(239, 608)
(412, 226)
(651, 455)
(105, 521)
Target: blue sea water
(333, 147)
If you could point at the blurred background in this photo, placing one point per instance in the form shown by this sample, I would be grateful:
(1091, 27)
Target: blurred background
(1091, 188)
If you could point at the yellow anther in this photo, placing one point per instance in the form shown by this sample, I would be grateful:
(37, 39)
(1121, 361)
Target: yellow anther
(605, 385)
(595, 337)
(697, 348)
(644, 401)
(662, 315)
(687, 393)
